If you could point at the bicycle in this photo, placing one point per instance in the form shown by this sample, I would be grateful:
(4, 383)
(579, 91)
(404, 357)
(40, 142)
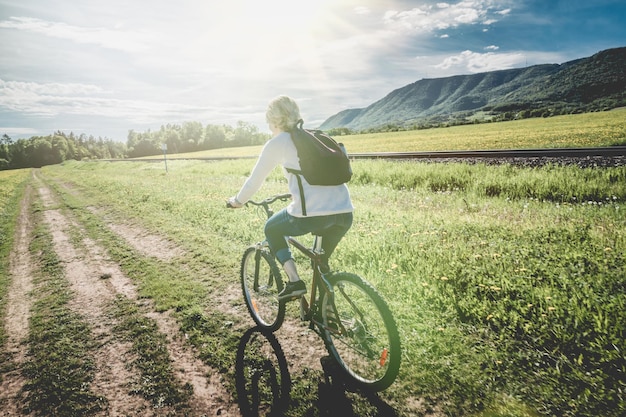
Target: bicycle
(347, 312)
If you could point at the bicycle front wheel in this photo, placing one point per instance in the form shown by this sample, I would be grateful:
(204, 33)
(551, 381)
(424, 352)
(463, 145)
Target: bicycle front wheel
(261, 283)
(361, 334)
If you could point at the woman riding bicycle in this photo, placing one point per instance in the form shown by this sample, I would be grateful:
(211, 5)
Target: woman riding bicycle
(328, 208)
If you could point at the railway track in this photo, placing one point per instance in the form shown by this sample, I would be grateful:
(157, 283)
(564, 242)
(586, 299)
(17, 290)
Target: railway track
(614, 151)
(584, 157)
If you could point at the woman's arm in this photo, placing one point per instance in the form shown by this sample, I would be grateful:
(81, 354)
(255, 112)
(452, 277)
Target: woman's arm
(270, 157)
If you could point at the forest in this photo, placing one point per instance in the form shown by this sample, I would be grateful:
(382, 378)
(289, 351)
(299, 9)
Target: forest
(58, 147)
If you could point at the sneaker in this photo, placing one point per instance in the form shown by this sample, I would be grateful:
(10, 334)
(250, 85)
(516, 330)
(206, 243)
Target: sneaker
(292, 291)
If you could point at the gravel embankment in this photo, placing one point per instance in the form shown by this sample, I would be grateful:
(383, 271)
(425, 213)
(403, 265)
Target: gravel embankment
(532, 162)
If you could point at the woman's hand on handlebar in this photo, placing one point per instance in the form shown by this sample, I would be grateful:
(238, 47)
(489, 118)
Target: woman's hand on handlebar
(232, 202)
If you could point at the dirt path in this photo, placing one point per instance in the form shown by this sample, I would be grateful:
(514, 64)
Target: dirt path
(18, 308)
(95, 282)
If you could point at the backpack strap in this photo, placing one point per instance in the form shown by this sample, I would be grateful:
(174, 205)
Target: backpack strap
(297, 172)
(298, 175)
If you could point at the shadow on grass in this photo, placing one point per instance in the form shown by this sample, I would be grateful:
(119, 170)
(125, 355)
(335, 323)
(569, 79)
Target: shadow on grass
(263, 383)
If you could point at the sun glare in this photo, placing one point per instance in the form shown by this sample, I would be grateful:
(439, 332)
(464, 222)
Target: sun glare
(287, 13)
(270, 32)
(245, 46)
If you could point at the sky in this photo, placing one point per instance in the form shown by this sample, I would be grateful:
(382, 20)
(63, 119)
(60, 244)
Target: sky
(103, 68)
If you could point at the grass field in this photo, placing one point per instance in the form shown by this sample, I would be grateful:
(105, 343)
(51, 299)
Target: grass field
(507, 283)
(576, 131)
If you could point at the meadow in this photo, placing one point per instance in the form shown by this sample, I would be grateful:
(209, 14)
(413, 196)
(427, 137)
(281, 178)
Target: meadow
(575, 131)
(508, 284)
(511, 299)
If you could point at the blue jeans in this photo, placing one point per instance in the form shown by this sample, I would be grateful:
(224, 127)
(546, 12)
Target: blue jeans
(332, 228)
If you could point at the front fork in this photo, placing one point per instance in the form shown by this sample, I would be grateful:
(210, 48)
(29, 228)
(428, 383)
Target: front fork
(259, 247)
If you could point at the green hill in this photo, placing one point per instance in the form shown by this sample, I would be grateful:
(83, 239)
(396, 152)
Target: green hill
(588, 84)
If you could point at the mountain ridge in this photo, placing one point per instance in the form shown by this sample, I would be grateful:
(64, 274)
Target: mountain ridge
(584, 84)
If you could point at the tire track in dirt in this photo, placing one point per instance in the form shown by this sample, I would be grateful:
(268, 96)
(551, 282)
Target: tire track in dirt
(93, 295)
(302, 347)
(18, 306)
(97, 280)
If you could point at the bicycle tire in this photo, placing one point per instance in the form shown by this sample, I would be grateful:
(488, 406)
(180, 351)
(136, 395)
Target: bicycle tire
(261, 282)
(367, 344)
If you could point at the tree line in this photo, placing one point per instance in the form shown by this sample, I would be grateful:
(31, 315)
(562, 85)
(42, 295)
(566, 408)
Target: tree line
(38, 151)
(193, 137)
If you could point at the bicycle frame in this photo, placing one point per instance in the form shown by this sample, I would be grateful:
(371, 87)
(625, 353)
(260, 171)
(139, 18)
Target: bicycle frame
(308, 309)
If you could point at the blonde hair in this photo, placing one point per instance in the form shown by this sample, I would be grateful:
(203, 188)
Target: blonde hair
(283, 112)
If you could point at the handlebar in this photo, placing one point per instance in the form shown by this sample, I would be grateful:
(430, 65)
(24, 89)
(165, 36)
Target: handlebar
(265, 204)
(270, 200)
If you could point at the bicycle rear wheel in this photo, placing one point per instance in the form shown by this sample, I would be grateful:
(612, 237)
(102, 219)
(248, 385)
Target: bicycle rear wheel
(261, 283)
(361, 335)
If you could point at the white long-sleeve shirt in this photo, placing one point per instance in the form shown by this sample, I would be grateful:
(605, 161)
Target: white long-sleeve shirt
(320, 200)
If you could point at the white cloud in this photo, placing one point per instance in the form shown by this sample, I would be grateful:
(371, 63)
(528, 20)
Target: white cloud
(20, 131)
(474, 62)
(429, 18)
(108, 38)
(55, 99)
(9, 88)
